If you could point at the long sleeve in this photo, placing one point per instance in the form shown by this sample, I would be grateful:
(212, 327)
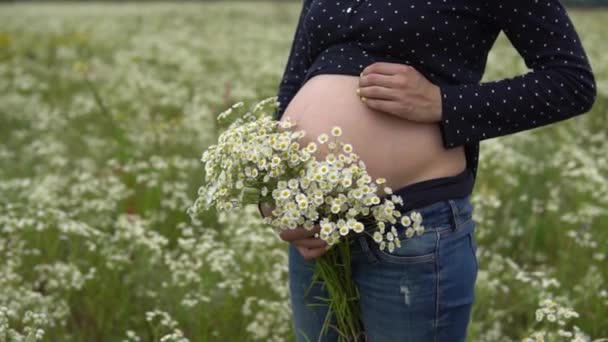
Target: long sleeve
(296, 66)
(561, 84)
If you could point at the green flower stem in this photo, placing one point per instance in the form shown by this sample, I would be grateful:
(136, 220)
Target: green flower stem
(334, 268)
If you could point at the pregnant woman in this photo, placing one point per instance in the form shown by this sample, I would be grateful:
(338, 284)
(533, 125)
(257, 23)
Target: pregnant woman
(401, 77)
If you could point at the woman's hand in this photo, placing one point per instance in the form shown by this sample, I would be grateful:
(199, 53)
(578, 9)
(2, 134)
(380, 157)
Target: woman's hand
(266, 209)
(304, 240)
(401, 90)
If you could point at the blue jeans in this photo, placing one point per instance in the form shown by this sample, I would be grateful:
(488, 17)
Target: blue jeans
(422, 291)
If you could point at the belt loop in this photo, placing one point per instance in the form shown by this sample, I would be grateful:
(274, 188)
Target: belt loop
(366, 249)
(454, 211)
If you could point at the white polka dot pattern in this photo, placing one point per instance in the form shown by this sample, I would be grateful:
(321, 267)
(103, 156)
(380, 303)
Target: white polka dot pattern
(560, 85)
(448, 41)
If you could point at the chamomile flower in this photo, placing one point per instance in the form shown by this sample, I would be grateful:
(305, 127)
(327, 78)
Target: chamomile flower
(305, 156)
(303, 203)
(347, 148)
(293, 184)
(397, 243)
(388, 211)
(333, 177)
(285, 193)
(381, 226)
(276, 160)
(294, 158)
(377, 236)
(318, 200)
(358, 227)
(406, 221)
(309, 225)
(330, 158)
(323, 138)
(311, 147)
(323, 169)
(409, 232)
(331, 240)
(336, 131)
(397, 199)
(335, 208)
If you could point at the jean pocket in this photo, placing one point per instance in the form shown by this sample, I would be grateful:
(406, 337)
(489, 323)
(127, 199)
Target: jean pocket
(418, 248)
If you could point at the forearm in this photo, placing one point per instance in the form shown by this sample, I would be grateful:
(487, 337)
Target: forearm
(560, 84)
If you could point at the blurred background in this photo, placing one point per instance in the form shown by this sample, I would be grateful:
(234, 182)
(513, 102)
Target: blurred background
(105, 110)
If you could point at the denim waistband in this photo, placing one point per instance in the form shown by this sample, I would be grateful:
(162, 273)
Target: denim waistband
(440, 196)
(421, 194)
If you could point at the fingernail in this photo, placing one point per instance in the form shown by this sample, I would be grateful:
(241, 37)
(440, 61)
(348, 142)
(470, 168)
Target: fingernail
(358, 91)
(363, 98)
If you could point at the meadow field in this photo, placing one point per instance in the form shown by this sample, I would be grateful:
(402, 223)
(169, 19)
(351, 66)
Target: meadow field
(105, 111)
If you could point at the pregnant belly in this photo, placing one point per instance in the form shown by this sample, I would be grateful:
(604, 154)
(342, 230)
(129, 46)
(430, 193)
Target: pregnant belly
(402, 151)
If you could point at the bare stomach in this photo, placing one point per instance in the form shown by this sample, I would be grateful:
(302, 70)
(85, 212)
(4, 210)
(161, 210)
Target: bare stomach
(402, 151)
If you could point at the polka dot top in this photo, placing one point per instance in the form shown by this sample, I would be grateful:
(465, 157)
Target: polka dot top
(448, 42)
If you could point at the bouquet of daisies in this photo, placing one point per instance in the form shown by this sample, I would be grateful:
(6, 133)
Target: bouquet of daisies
(260, 160)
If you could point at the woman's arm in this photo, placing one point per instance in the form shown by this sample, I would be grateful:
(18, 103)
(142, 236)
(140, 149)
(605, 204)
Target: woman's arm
(296, 66)
(561, 84)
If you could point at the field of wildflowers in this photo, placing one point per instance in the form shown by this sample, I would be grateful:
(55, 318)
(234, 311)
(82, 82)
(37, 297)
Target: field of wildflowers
(104, 113)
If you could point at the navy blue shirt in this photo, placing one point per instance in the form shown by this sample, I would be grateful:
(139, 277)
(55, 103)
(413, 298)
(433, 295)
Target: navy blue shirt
(448, 42)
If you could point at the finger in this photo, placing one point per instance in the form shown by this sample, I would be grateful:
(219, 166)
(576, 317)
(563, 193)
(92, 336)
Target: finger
(311, 253)
(386, 68)
(378, 92)
(375, 79)
(298, 233)
(266, 209)
(387, 106)
(310, 243)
